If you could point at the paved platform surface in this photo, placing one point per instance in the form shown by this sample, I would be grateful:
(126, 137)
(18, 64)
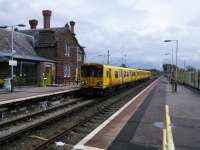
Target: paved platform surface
(34, 92)
(140, 129)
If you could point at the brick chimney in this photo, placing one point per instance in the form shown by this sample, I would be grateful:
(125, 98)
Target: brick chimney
(72, 23)
(46, 17)
(33, 23)
(67, 26)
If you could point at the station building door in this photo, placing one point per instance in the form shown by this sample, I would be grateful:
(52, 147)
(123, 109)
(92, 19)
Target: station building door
(49, 74)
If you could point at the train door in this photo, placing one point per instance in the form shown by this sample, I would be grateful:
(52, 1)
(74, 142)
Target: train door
(122, 71)
(110, 77)
(48, 74)
(121, 76)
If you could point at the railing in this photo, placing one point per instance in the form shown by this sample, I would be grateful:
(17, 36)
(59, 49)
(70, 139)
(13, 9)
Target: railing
(168, 142)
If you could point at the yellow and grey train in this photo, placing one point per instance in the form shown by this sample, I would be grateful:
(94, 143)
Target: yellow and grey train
(100, 77)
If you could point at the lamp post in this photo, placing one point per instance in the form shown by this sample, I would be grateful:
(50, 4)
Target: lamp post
(176, 60)
(172, 63)
(168, 68)
(12, 48)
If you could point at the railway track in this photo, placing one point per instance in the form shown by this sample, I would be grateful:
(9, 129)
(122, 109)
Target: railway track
(72, 128)
(75, 133)
(13, 127)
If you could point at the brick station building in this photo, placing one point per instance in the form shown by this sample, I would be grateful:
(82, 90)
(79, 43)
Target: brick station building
(59, 44)
(59, 50)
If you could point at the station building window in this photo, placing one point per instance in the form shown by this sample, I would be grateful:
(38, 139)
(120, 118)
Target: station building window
(67, 71)
(67, 49)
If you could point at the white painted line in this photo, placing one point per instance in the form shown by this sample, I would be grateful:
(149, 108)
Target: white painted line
(35, 96)
(88, 148)
(81, 144)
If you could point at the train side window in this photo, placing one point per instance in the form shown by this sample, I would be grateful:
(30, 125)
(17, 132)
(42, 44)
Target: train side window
(116, 74)
(107, 74)
(120, 73)
(110, 73)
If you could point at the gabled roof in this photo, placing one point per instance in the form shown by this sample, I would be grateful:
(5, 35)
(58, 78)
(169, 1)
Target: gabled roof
(23, 45)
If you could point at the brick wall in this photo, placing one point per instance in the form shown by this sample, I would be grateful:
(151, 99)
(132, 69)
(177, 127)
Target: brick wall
(55, 48)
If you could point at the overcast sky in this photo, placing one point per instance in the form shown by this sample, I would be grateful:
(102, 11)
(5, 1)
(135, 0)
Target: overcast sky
(135, 28)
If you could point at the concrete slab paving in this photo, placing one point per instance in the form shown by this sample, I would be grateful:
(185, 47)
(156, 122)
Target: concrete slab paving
(185, 115)
(143, 130)
(28, 92)
(142, 133)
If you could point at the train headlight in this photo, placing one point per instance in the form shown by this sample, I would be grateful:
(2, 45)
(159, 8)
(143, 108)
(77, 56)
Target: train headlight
(83, 82)
(99, 83)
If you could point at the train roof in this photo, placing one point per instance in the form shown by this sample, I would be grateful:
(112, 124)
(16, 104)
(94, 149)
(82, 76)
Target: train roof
(109, 66)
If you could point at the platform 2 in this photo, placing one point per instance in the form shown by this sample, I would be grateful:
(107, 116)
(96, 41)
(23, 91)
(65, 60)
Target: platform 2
(27, 93)
(138, 124)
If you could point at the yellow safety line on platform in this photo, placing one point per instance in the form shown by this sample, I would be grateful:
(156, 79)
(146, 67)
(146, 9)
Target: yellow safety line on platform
(168, 142)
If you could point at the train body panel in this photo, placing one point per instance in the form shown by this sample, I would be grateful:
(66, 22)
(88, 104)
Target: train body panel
(100, 76)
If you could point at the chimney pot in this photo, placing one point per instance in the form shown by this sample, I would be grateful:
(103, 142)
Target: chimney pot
(33, 23)
(72, 24)
(67, 26)
(46, 17)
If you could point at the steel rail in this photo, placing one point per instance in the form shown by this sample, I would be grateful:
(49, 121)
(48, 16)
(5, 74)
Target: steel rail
(26, 128)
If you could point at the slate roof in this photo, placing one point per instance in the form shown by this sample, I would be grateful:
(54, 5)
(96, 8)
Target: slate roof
(23, 45)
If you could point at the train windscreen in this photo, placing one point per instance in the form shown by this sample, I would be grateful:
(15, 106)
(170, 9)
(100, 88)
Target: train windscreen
(92, 71)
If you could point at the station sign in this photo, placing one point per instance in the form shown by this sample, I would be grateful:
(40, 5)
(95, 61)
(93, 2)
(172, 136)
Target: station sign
(12, 63)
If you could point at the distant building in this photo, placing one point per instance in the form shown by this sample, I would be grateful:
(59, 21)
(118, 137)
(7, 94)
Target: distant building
(53, 52)
(58, 44)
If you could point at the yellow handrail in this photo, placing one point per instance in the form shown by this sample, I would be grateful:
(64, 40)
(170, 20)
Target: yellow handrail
(168, 142)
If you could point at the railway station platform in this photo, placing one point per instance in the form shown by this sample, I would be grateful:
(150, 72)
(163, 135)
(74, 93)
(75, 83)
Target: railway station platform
(138, 124)
(27, 93)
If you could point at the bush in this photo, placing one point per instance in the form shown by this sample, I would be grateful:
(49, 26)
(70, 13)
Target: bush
(1, 83)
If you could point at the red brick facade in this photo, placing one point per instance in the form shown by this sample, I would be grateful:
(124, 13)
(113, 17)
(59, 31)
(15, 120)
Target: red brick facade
(60, 45)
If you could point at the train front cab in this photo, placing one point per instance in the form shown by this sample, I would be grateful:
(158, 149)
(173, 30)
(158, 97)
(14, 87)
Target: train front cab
(91, 76)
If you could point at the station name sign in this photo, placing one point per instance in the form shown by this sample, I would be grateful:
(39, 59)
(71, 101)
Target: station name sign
(12, 63)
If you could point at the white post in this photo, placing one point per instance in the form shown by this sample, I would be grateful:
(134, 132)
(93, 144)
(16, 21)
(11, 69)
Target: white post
(172, 67)
(12, 50)
(12, 47)
(176, 63)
